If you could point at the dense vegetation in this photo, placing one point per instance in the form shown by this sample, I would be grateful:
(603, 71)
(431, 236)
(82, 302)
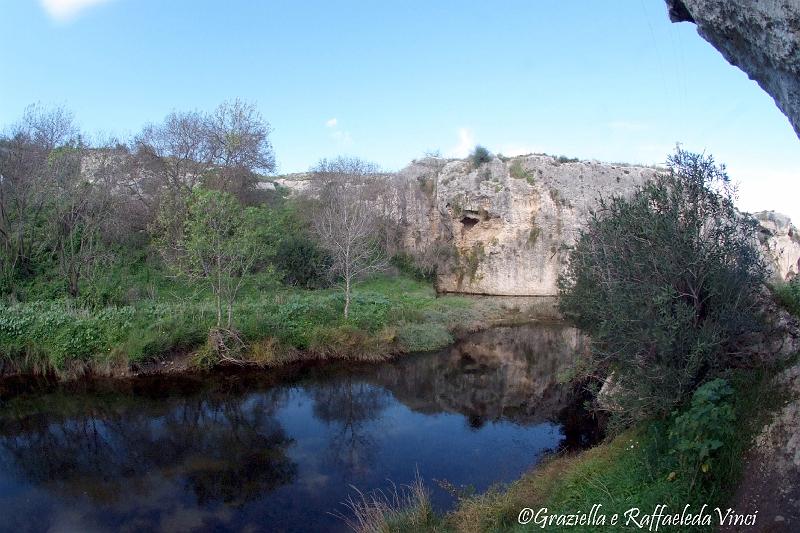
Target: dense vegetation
(666, 282)
(119, 253)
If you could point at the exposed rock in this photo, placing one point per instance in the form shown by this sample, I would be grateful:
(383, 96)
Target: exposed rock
(504, 227)
(782, 243)
(761, 38)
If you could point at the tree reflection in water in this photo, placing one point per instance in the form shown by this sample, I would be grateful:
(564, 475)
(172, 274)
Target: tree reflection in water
(222, 449)
(349, 406)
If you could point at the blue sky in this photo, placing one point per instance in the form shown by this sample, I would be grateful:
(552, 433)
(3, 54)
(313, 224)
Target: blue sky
(388, 81)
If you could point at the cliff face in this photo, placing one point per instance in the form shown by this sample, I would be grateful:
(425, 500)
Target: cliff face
(761, 38)
(781, 242)
(503, 227)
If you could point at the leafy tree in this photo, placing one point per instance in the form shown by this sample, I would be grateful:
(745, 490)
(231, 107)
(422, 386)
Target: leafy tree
(665, 282)
(217, 245)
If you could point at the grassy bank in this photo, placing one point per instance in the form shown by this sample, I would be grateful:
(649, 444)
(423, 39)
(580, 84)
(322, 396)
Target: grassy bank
(391, 314)
(638, 468)
(642, 468)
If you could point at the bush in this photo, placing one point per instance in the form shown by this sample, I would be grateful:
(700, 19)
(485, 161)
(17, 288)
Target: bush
(519, 172)
(480, 155)
(698, 433)
(665, 282)
(788, 295)
(409, 266)
(302, 262)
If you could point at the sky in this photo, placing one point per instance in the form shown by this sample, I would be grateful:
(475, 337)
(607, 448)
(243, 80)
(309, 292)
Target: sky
(389, 81)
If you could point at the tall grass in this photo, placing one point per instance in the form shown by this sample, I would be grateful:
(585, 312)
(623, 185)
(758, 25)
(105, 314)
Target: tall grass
(397, 510)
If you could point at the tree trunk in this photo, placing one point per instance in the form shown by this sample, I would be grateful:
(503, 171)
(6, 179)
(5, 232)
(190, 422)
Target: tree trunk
(346, 297)
(73, 284)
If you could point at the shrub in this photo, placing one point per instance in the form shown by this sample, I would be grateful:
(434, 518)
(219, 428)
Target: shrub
(519, 172)
(788, 295)
(409, 266)
(564, 159)
(665, 282)
(480, 155)
(698, 433)
(302, 262)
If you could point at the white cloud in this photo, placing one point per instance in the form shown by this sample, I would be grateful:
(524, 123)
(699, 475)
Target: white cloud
(337, 134)
(66, 10)
(466, 142)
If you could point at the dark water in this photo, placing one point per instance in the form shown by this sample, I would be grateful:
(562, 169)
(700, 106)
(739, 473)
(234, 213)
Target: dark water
(279, 451)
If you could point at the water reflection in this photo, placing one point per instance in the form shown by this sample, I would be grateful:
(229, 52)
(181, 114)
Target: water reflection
(270, 451)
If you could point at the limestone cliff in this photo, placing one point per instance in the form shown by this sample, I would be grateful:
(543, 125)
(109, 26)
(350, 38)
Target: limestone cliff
(761, 38)
(781, 242)
(503, 227)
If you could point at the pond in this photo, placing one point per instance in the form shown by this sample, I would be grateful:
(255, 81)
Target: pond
(281, 450)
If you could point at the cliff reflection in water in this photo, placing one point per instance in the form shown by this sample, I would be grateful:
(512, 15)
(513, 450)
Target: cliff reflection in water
(281, 449)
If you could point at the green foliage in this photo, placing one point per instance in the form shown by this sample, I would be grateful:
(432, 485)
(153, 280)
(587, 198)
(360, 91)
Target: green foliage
(664, 282)
(700, 431)
(302, 262)
(788, 295)
(409, 266)
(564, 159)
(519, 172)
(61, 332)
(480, 155)
(218, 245)
(424, 337)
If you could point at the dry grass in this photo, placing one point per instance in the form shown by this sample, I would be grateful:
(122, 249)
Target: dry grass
(404, 509)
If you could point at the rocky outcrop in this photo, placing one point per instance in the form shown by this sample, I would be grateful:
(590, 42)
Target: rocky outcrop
(781, 242)
(503, 227)
(761, 38)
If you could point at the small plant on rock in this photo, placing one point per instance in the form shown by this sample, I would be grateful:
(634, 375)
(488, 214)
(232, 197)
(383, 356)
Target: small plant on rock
(480, 155)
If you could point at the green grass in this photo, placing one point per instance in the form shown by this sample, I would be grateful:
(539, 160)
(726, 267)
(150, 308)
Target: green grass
(162, 316)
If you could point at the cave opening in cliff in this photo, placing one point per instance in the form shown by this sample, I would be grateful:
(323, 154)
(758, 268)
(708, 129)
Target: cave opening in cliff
(468, 222)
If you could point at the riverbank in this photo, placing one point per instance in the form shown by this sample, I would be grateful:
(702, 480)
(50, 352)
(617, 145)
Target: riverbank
(753, 470)
(635, 470)
(390, 315)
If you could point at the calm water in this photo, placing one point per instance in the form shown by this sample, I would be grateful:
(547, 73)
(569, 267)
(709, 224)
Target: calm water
(280, 451)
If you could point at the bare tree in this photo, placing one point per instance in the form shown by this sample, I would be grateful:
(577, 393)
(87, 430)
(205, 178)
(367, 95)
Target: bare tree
(26, 183)
(173, 156)
(346, 222)
(223, 150)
